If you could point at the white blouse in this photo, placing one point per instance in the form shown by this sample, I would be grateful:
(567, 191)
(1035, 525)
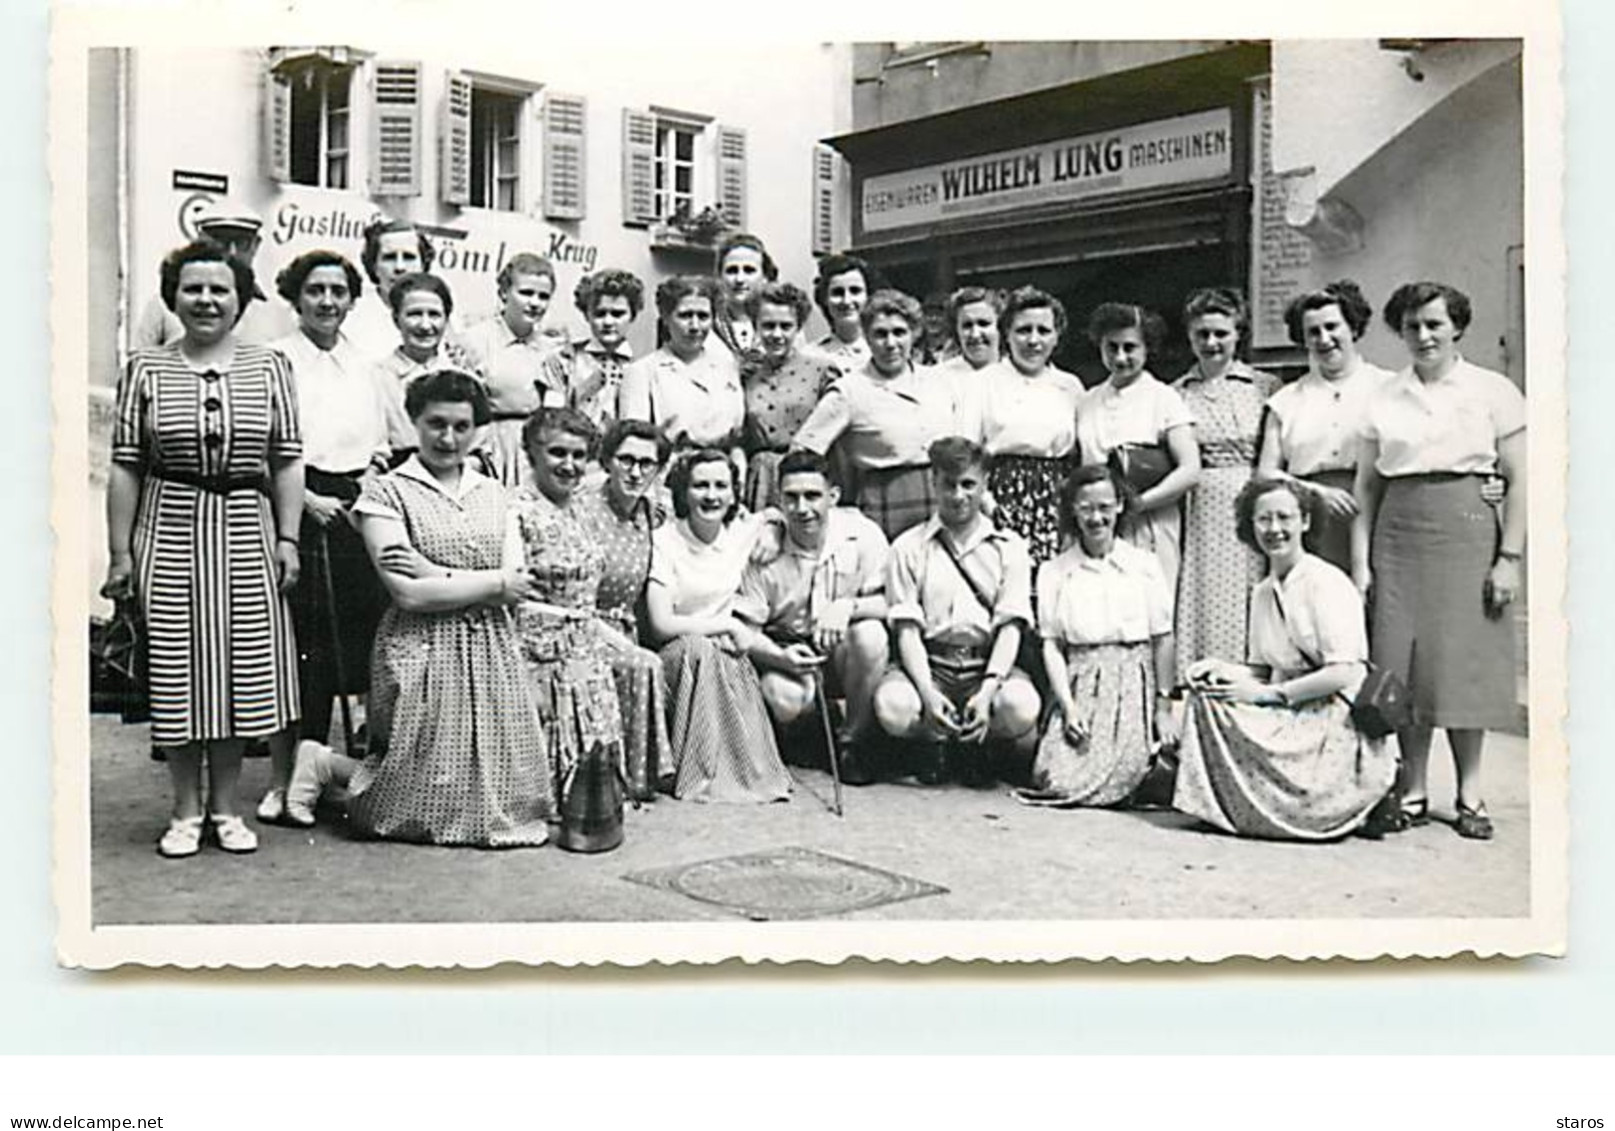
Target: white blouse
(703, 578)
(1121, 598)
(1142, 413)
(1009, 413)
(1321, 421)
(1313, 618)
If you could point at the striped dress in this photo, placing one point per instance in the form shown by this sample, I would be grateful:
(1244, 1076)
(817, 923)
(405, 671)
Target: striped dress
(223, 662)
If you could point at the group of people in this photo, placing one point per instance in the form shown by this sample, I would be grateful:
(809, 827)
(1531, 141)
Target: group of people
(554, 568)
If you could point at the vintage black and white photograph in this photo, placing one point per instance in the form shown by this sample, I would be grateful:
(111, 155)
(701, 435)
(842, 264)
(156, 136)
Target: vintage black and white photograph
(1024, 498)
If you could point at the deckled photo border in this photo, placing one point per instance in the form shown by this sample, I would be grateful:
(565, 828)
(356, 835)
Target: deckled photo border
(81, 943)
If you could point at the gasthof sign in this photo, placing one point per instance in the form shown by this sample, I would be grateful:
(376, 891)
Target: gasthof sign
(1195, 147)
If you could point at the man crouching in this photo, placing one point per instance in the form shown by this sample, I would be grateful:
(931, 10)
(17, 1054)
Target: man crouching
(960, 596)
(820, 604)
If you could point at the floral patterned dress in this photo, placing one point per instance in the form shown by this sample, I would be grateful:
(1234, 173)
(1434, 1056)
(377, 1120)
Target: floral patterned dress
(568, 665)
(641, 688)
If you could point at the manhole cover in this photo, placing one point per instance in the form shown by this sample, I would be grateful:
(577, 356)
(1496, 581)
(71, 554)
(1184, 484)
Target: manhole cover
(786, 883)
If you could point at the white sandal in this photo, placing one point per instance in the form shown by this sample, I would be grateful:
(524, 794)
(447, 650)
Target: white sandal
(183, 838)
(233, 834)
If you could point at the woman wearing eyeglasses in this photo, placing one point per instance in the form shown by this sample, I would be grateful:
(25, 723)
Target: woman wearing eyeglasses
(621, 514)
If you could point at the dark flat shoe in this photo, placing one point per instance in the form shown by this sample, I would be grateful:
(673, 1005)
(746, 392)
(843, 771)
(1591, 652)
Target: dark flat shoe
(1473, 824)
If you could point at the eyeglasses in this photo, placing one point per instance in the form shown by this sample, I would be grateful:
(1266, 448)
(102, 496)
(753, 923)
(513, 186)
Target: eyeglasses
(636, 463)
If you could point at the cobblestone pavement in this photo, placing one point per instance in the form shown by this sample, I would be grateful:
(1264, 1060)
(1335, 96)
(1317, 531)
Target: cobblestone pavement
(997, 859)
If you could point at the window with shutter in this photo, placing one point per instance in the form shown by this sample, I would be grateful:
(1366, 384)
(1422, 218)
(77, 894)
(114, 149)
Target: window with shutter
(564, 196)
(454, 142)
(732, 175)
(824, 199)
(638, 167)
(277, 140)
(395, 140)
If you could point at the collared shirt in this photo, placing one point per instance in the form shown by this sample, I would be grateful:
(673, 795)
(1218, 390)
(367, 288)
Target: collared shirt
(1449, 425)
(513, 368)
(1121, 598)
(780, 397)
(391, 376)
(1227, 411)
(850, 355)
(1142, 413)
(1311, 618)
(1009, 413)
(471, 482)
(924, 587)
(1321, 420)
(698, 401)
(344, 421)
(882, 422)
(592, 375)
(703, 578)
(790, 592)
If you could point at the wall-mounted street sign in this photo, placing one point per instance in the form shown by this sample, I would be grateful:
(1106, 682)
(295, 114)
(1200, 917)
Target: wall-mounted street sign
(203, 182)
(1195, 147)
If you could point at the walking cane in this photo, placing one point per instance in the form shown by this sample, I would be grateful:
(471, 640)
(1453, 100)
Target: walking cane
(823, 702)
(336, 644)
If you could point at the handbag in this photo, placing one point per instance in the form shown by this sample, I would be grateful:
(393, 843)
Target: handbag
(118, 664)
(1383, 704)
(1140, 466)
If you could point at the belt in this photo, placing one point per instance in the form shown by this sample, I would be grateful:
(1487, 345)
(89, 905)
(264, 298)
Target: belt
(212, 484)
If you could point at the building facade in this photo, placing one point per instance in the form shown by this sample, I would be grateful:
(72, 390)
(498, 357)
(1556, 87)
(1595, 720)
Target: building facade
(1139, 171)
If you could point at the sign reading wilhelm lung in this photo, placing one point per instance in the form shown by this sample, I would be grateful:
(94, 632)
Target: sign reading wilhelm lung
(1196, 147)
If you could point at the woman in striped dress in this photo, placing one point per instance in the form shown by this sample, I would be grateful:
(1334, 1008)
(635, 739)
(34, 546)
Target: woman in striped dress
(723, 744)
(204, 499)
(1226, 398)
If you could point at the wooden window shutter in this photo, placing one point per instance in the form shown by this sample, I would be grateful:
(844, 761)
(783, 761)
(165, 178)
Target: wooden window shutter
(564, 195)
(277, 139)
(396, 132)
(824, 199)
(732, 175)
(638, 167)
(454, 142)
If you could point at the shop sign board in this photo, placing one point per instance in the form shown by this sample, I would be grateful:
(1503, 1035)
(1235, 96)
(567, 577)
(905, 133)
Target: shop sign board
(1151, 155)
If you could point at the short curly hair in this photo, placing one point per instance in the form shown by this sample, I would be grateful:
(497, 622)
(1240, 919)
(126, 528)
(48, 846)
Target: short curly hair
(1109, 317)
(289, 283)
(887, 302)
(613, 282)
(525, 263)
(1411, 296)
(1258, 489)
(1086, 476)
(559, 419)
(969, 296)
(672, 291)
(840, 264)
(1030, 298)
(1227, 301)
(420, 281)
(448, 386)
(619, 431)
(1343, 293)
(782, 294)
(382, 226)
(683, 470)
(205, 251)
